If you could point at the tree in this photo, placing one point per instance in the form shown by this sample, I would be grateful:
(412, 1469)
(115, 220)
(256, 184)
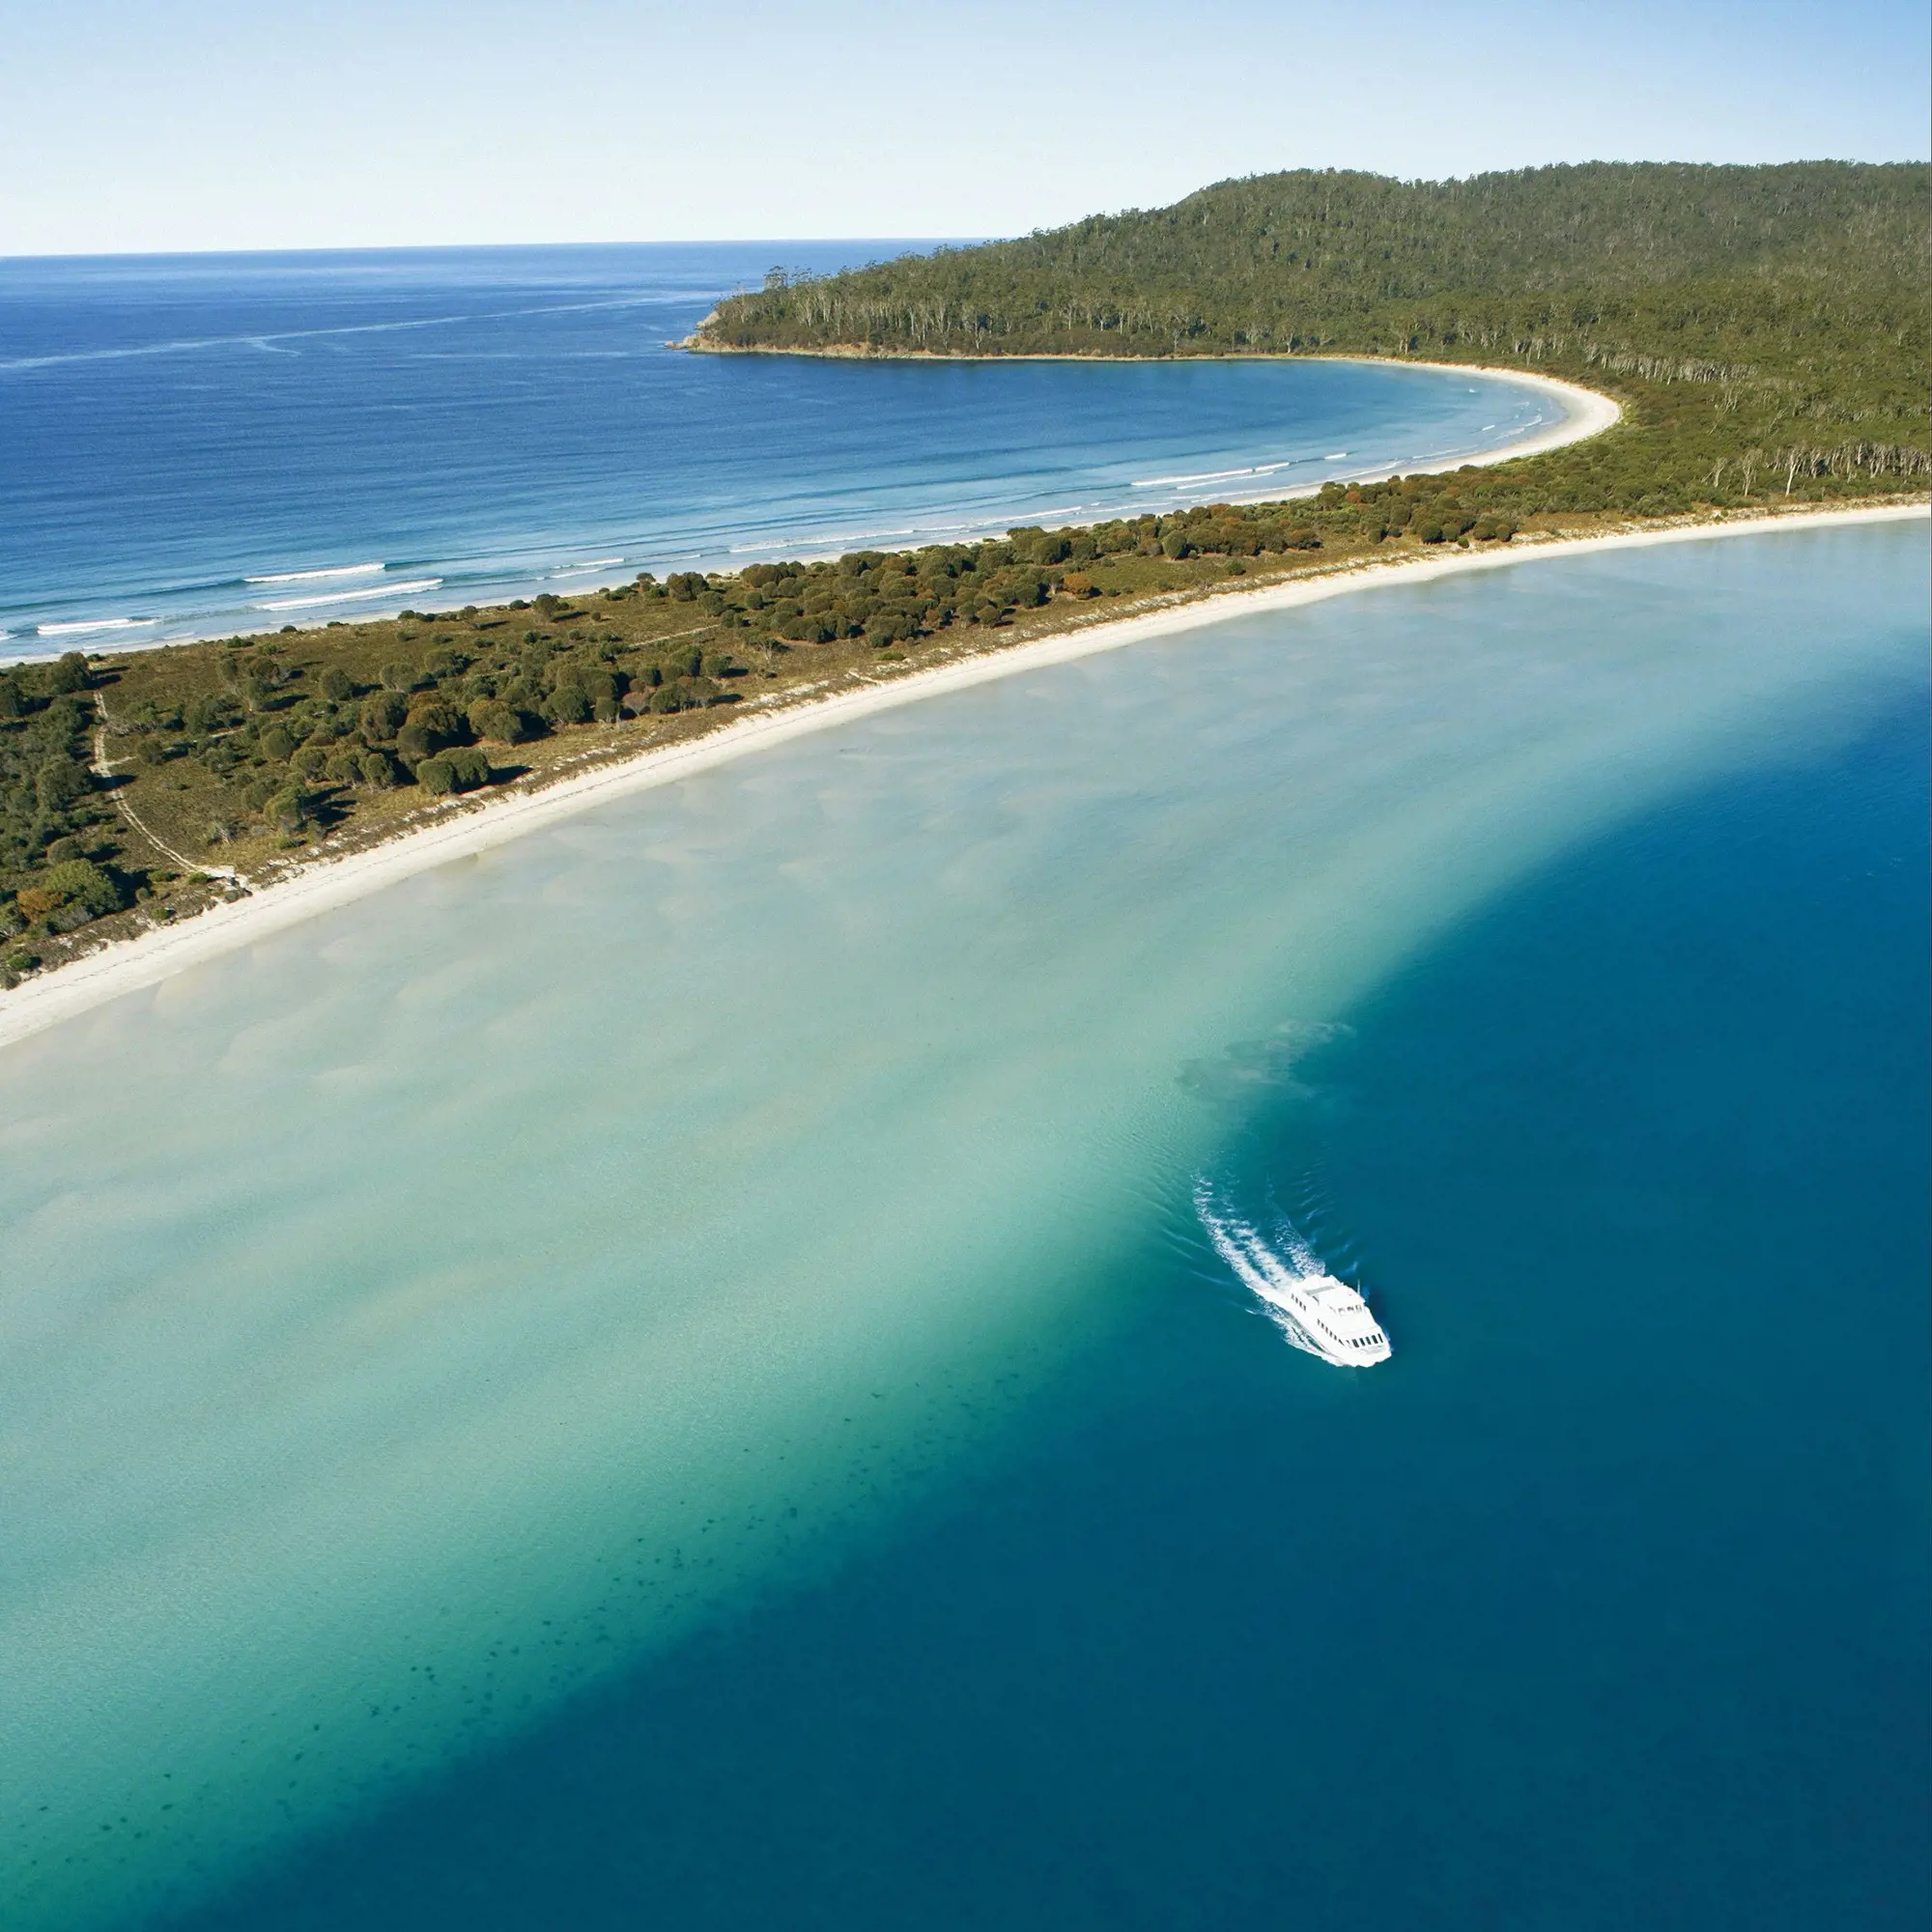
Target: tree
(60, 784)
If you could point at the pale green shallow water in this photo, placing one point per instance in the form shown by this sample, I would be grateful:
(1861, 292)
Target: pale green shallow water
(415, 1317)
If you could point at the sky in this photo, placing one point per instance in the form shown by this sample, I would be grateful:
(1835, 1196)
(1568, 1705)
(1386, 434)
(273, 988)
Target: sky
(131, 126)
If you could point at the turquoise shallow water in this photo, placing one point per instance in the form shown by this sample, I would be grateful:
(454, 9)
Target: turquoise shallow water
(669, 1371)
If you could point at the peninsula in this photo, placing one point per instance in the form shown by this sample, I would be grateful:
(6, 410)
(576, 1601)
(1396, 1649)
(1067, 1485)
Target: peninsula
(1733, 344)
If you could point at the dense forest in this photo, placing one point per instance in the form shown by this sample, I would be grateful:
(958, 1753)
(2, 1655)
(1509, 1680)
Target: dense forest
(1764, 326)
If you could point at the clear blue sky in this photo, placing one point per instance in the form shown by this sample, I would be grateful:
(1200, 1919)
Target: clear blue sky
(211, 123)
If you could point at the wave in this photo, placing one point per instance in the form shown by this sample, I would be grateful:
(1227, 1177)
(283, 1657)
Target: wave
(589, 563)
(94, 624)
(348, 596)
(316, 576)
(1218, 475)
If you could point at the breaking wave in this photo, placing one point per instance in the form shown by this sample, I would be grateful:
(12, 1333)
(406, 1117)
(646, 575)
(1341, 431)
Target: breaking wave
(349, 596)
(96, 624)
(316, 575)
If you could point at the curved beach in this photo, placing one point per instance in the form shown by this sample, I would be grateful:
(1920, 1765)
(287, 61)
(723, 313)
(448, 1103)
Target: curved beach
(463, 829)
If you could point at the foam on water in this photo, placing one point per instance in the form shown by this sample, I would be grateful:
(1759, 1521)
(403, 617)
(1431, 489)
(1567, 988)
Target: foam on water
(351, 596)
(1259, 1263)
(318, 576)
(75, 628)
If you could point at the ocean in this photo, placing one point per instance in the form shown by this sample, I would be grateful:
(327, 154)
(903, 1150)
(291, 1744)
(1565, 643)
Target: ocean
(672, 1372)
(210, 445)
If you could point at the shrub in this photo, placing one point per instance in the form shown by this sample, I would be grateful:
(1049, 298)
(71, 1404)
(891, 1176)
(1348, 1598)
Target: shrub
(383, 716)
(378, 769)
(440, 719)
(70, 895)
(401, 675)
(568, 705)
(1174, 544)
(278, 743)
(68, 673)
(290, 809)
(335, 685)
(490, 718)
(462, 770)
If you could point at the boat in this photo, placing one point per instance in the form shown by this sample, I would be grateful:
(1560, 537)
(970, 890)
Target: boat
(1315, 1310)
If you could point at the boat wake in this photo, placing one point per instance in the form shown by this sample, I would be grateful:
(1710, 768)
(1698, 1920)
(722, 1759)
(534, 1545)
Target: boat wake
(1314, 1310)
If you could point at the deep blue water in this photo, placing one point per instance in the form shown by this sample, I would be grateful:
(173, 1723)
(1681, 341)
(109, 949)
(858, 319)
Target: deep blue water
(1604, 1604)
(482, 422)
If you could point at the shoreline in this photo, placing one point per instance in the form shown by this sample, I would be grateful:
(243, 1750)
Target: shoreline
(1586, 412)
(472, 827)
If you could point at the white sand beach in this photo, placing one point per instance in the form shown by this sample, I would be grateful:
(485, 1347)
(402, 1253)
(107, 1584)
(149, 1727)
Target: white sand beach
(463, 827)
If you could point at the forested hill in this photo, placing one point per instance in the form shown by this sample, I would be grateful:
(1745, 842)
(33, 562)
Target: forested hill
(1765, 328)
(1715, 257)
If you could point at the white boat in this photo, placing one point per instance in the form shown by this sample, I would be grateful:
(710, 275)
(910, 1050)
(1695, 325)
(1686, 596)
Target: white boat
(1314, 1310)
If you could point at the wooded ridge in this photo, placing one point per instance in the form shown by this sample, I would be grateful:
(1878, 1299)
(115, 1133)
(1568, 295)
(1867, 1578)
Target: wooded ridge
(1764, 326)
